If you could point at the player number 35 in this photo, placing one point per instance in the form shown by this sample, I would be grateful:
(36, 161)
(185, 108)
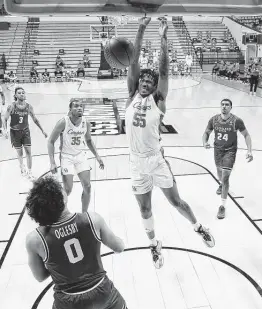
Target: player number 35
(221, 136)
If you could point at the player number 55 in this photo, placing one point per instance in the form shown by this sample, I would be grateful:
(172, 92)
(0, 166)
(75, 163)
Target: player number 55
(139, 120)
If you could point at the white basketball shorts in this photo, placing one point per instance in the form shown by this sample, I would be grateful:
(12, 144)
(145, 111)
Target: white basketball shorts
(150, 171)
(71, 164)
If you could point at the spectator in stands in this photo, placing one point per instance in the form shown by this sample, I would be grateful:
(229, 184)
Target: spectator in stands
(58, 73)
(254, 78)
(86, 61)
(59, 61)
(3, 63)
(33, 74)
(143, 61)
(155, 58)
(46, 76)
(189, 62)
(215, 69)
(222, 69)
(226, 35)
(204, 45)
(10, 77)
(174, 67)
(231, 46)
(199, 36)
(80, 69)
(208, 36)
(213, 46)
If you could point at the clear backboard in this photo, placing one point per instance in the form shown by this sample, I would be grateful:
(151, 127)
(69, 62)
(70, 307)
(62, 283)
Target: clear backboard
(134, 7)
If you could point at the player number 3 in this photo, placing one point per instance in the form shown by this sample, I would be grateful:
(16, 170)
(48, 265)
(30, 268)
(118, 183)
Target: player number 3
(73, 250)
(221, 136)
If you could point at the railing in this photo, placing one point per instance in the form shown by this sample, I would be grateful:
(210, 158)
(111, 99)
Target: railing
(212, 57)
(182, 32)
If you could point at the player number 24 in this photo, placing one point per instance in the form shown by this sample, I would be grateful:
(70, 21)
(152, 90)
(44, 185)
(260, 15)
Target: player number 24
(73, 250)
(221, 136)
(76, 140)
(139, 120)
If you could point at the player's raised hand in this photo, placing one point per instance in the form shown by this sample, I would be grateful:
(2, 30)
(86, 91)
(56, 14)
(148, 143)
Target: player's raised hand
(249, 156)
(144, 20)
(163, 27)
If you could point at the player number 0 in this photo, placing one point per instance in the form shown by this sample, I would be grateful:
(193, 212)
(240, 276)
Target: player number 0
(73, 258)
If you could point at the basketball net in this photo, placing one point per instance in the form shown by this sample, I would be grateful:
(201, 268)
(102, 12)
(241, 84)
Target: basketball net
(103, 41)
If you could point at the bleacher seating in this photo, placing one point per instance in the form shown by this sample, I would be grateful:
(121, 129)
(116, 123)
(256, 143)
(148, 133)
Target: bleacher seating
(224, 41)
(151, 34)
(73, 38)
(254, 22)
(11, 44)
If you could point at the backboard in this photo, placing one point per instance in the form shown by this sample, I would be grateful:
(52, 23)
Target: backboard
(134, 7)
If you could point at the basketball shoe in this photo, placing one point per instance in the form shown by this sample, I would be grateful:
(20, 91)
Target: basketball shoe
(157, 256)
(221, 212)
(206, 236)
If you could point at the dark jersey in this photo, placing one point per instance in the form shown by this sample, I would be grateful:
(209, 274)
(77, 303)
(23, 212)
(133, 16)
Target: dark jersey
(19, 117)
(226, 131)
(73, 253)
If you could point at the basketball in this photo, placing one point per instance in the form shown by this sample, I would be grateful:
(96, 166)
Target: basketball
(119, 52)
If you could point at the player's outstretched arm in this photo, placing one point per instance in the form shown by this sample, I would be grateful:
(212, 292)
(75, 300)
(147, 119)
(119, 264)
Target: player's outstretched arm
(2, 96)
(58, 129)
(106, 235)
(134, 68)
(35, 262)
(207, 133)
(36, 121)
(162, 87)
(6, 117)
(90, 144)
(249, 144)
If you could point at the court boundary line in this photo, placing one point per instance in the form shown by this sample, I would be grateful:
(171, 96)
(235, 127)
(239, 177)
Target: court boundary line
(236, 268)
(126, 154)
(125, 147)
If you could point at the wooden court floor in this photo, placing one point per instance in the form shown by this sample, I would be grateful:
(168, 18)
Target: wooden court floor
(194, 276)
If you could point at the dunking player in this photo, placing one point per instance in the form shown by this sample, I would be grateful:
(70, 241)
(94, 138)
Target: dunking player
(74, 131)
(2, 108)
(18, 111)
(66, 246)
(145, 109)
(225, 126)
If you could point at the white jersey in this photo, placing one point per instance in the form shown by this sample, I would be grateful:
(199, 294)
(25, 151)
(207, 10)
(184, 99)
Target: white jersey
(73, 137)
(142, 125)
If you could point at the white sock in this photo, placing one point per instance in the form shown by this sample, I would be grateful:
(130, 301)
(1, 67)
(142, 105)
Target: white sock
(224, 202)
(153, 242)
(196, 226)
(149, 226)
